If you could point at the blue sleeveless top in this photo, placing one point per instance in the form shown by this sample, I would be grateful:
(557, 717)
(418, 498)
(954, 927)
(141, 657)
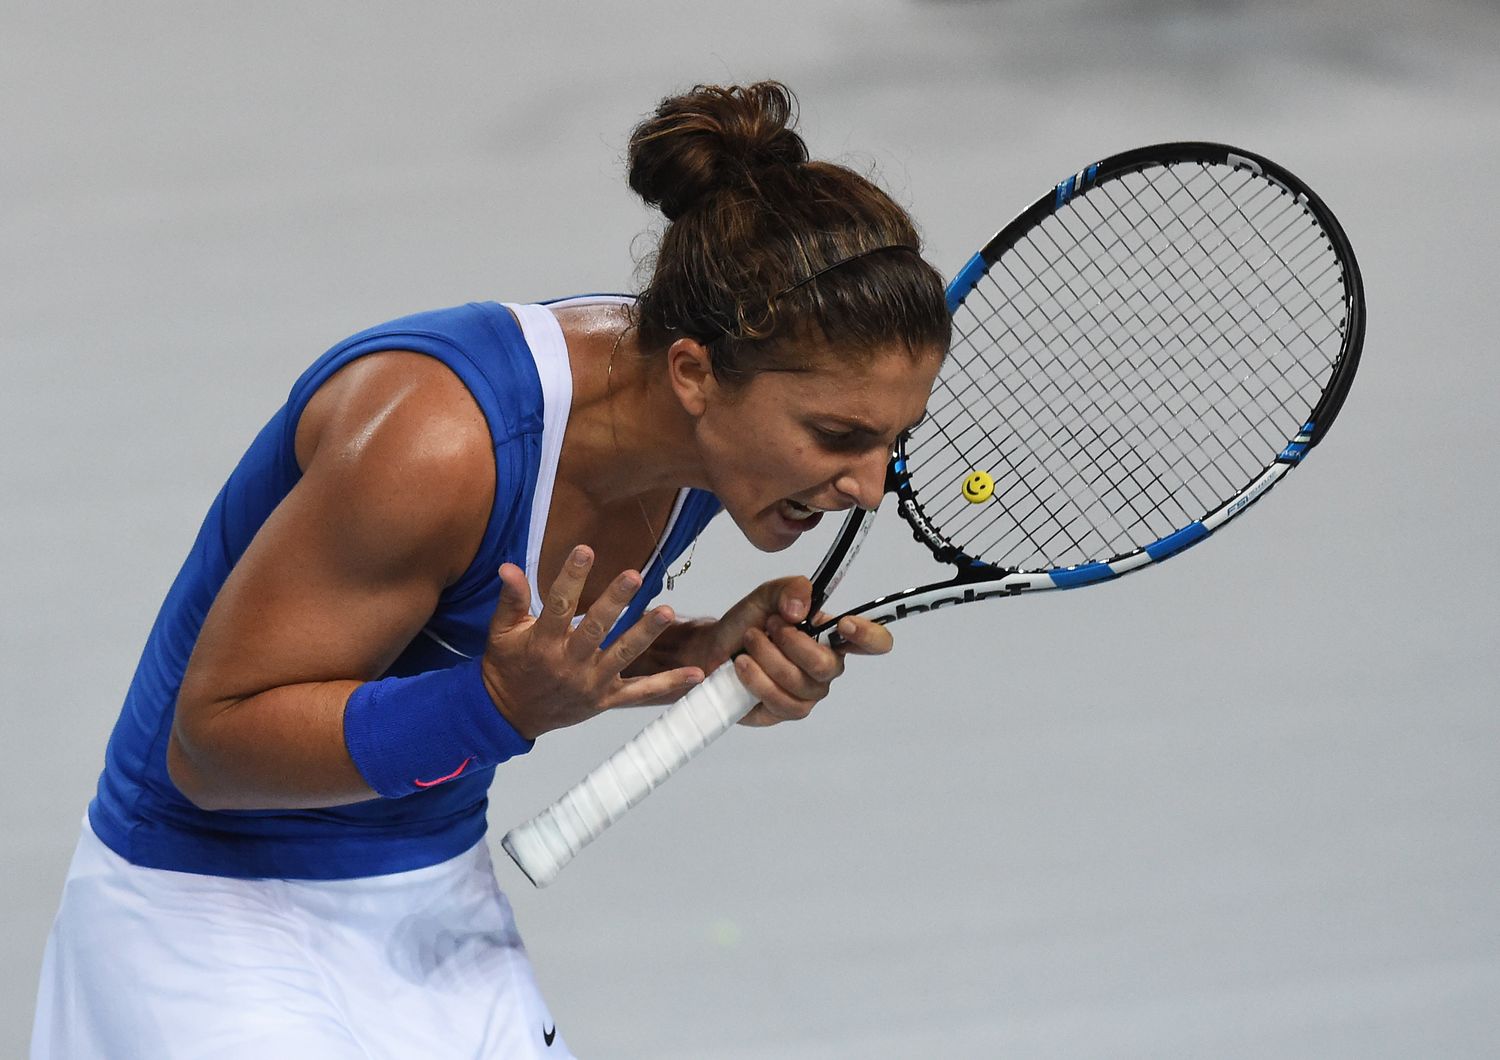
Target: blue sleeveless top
(519, 377)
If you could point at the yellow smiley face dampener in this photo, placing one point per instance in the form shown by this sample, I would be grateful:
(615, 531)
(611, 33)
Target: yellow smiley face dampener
(978, 487)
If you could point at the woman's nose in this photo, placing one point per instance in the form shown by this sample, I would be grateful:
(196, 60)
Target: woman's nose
(864, 482)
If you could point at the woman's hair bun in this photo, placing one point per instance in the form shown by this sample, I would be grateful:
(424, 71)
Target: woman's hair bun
(711, 138)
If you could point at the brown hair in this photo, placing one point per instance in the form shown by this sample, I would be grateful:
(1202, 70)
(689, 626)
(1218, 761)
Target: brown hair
(765, 248)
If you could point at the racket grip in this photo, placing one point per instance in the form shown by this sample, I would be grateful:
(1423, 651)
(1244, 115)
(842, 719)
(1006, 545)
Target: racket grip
(551, 839)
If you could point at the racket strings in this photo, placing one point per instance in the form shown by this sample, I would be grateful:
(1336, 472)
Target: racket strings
(1098, 368)
(1062, 298)
(1204, 293)
(1048, 510)
(1291, 256)
(1089, 410)
(1128, 365)
(1088, 407)
(1131, 468)
(1055, 500)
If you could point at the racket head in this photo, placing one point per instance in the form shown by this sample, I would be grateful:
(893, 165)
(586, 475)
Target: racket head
(1137, 357)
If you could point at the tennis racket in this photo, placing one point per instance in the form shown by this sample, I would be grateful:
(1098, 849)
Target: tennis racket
(1137, 359)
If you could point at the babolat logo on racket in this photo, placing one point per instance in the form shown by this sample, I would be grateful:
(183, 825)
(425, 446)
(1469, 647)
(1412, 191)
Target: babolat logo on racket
(968, 596)
(1074, 184)
(925, 531)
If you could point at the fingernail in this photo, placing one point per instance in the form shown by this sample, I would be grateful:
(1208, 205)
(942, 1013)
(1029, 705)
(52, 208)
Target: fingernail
(796, 609)
(580, 557)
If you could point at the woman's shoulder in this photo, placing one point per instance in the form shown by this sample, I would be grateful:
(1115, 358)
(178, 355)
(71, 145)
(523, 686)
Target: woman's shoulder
(395, 446)
(400, 408)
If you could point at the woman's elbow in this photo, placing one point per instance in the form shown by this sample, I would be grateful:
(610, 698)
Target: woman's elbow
(185, 775)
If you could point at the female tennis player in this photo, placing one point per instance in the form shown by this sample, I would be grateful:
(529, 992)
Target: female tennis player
(444, 546)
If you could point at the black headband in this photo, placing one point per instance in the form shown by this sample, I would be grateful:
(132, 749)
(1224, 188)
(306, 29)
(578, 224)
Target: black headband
(844, 261)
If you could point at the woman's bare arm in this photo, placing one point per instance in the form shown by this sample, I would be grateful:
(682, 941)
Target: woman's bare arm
(398, 482)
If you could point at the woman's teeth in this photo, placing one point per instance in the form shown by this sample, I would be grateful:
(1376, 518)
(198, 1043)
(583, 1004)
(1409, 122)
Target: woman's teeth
(793, 510)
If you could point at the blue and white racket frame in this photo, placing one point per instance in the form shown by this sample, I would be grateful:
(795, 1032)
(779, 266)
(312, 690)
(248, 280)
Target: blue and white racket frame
(546, 843)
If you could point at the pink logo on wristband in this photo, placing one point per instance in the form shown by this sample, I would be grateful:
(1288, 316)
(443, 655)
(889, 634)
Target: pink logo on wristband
(443, 780)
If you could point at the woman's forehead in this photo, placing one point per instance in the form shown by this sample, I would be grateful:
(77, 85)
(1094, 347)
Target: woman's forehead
(878, 382)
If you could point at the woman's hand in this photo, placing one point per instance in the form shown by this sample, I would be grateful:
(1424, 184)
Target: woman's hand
(545, 673)
(786, 668)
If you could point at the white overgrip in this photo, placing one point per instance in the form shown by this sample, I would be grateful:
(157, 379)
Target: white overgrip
(551, 839)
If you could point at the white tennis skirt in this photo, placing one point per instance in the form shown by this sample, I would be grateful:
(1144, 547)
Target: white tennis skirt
(166, 965)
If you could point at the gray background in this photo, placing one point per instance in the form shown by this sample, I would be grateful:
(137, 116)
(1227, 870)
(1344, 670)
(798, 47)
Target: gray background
(1244, 805)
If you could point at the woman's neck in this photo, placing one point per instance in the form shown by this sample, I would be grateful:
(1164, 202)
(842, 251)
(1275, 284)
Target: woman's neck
(627, 436)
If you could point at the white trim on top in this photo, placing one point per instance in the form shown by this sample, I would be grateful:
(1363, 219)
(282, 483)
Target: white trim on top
(549, 349)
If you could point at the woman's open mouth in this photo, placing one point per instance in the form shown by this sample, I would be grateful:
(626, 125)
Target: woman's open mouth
(796, 518)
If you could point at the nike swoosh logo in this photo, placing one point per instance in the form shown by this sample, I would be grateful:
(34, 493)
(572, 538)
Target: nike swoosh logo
(547, 1036)
(443, 780)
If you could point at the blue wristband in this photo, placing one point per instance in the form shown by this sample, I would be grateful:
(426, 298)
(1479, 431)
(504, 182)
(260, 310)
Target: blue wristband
(406, 734)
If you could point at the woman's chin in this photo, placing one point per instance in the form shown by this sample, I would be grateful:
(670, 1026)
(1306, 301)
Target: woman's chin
(774, 529)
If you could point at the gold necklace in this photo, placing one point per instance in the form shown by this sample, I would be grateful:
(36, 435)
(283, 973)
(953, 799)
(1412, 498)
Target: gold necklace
(609, 395)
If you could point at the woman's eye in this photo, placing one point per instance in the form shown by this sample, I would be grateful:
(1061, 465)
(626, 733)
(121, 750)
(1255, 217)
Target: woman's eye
(834, 437)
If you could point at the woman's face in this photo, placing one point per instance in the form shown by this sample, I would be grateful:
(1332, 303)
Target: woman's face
(788, 445)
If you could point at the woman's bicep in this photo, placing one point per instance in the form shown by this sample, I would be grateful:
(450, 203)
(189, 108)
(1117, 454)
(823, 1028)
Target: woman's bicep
(311, 599)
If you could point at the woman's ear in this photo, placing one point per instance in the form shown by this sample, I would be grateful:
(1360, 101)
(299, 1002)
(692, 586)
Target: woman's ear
(690, 371)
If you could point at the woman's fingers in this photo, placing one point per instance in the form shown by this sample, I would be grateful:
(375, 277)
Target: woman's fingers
(514, 606)
(565, 670)
(784, 690)
(794, 661)
(653, 688)
(585, 638)
(775, 703)
(860, 636)
(790, 671)
(561, 601)
(760, 718)
(631, 644)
